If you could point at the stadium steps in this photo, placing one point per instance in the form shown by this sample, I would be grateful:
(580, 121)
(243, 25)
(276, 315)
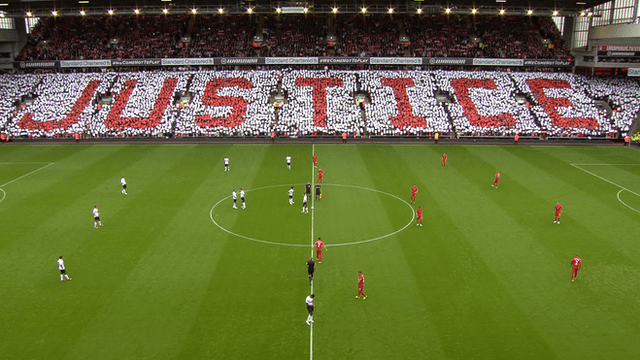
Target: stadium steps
(450, 118)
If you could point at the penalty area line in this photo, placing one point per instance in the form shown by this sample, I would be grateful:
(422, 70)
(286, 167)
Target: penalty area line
(577, 166)
(25, 175)
(625, 204)
(4, 193)
(622, 188)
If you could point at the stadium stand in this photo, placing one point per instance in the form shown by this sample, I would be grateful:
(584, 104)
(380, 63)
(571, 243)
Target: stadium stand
(375, 103)
(104, 37)
(286, 35)
(484, 36)
(220, 36)
(152, 36)
(367, 36)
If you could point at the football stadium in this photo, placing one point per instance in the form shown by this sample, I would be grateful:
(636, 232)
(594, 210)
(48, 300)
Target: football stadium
(194, 180)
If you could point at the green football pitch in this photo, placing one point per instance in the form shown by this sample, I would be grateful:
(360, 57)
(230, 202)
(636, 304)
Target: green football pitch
(176, 273)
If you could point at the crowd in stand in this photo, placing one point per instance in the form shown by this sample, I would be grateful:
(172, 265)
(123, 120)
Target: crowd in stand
(104, 37)
(561, 105)
(152, 36)
(484, 36)
(294, 36)
(367, 36)
(624, 101)
(486, 103)
(232, 103)
(228, 103)
(220, 36)
(403, 103)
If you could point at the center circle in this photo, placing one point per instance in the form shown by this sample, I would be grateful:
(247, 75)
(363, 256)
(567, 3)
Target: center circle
(326, 216)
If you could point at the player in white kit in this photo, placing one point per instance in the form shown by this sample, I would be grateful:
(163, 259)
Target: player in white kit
(96, 217)
(123, 182)
(291, 196)
(233, 195)
(305, 209)
(63, 270)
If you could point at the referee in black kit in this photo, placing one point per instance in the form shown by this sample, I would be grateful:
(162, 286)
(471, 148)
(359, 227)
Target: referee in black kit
(311, 267)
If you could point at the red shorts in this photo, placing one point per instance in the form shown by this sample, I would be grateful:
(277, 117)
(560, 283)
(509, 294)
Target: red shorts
(419, 217)
(558, 213)
(413, 194)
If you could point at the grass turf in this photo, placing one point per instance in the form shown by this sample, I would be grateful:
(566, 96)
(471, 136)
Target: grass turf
(486, 277)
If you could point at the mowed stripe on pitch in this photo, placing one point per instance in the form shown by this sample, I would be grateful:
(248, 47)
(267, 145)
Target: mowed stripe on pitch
(165, 273)
(257, 293)
(399, 264)
(541, 274)
(543, 248)
(459, 276)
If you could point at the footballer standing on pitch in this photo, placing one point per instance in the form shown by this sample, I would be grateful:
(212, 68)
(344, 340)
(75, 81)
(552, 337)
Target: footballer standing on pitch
(307, 188)
(310, 307)
(291, 196)
(123, 182)
(96, 217)
(63, 270)
(235, 198)
(318, 192)
(576, 264)
(311, 267)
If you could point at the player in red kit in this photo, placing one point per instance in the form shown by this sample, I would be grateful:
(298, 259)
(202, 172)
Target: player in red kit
(558, 213)
(315, 160)
(361, 286)
(419, 216)
(319, 245)
(576, 264)
(496, 181)
(414, 192)
(444, 160)
(320, 175)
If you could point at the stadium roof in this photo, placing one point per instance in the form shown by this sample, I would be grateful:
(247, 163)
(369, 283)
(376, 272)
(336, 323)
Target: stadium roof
(18, 7)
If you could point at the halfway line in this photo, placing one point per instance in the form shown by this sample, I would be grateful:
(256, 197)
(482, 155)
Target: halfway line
(313, 173)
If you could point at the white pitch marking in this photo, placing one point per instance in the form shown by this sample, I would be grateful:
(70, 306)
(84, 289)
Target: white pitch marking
(313, 174)
(246, 237)
(413, 216)
(601, 164)
(625, 204)
(577, 166)
(4, 195)
(24, 163)
(25, 175)
(303, 245)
